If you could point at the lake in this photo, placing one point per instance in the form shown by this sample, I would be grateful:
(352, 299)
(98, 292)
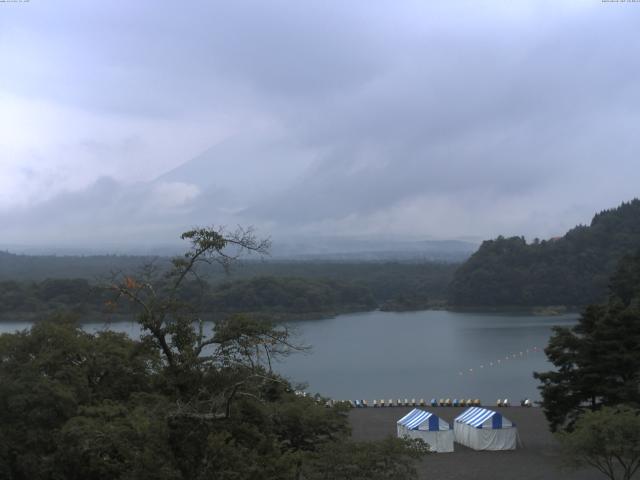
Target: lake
(422, 354)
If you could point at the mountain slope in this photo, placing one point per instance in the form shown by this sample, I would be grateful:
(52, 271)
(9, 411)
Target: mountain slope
(239, 168)
(571, 270)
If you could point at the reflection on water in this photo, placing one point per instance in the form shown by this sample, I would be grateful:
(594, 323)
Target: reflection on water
(411, 354)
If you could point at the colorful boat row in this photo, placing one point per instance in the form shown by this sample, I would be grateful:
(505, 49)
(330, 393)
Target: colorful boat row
(442, 402)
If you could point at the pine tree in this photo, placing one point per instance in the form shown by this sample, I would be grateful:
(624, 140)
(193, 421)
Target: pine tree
(598, 360)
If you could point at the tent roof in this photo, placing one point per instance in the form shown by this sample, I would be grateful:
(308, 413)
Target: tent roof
(415, 418)
(477, 416)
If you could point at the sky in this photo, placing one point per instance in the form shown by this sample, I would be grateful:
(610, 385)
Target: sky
(126, 123)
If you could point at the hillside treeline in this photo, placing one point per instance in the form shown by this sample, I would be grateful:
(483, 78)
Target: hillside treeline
(288, 295)
(572, 270)
(281, 297)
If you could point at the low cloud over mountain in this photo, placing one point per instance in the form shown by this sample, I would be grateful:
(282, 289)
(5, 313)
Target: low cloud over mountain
(411, 119)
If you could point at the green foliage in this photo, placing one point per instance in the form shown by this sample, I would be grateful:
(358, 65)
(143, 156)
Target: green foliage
(41, 267)
(572, 270)
(288, 295)
(81, 406)
(117, 440)
(317, 290)
(598, 360)
(608, 440)
(410, 301)
(388, 459)
(72, 295)
(47, 376)
(175, 405)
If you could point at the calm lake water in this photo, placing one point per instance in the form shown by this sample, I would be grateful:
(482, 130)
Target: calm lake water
(412, 354)
(424, 355)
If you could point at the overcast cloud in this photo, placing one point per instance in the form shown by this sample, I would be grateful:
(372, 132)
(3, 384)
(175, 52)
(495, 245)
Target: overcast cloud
(132, 121)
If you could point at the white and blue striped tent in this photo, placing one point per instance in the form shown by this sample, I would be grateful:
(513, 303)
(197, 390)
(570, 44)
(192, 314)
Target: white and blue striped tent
(428, 427)
(483, 429)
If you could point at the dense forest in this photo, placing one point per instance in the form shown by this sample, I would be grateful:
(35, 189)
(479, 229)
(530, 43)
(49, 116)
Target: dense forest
(175, 404)
(91, 267)
(573, 270)
(288, 295)
(274, 296)
(36, 285)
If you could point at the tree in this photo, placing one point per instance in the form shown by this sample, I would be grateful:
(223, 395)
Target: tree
(167, 319)
(228, 397)
(183, 402)
(387, 459)
(123, 440)
(608, 439)
(49, 375)
(242, 355)
(598, 360)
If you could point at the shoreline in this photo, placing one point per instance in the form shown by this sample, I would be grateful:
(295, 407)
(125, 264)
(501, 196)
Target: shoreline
(108, 318)
(93, 316)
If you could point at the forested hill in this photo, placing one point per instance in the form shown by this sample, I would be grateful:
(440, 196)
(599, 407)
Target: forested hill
(92, 267)
(573, 270)
(34, 283)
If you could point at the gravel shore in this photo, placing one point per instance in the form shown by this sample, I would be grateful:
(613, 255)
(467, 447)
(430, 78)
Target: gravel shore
(537, 458)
